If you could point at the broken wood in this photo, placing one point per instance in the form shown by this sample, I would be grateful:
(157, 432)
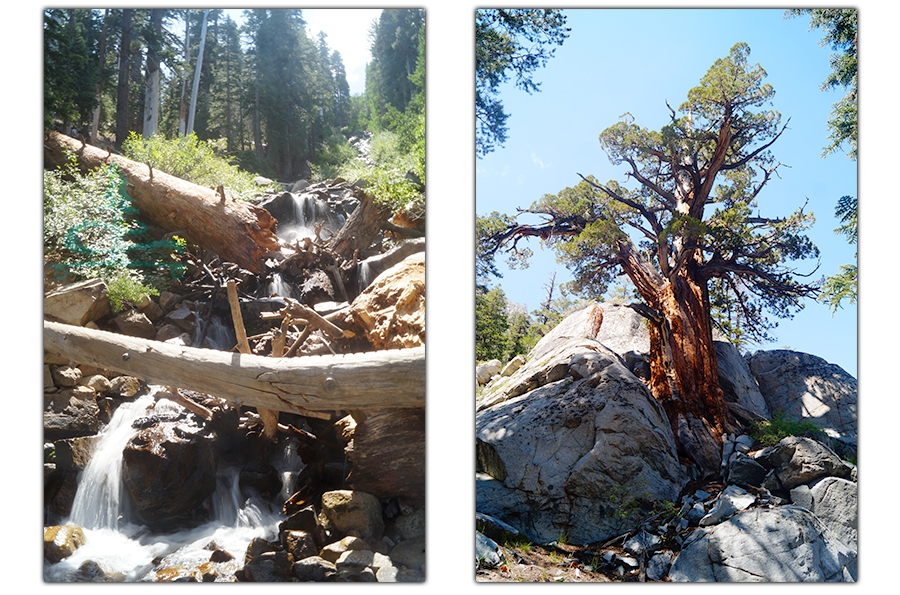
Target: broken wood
(269, 417)
(361, 228)
(379, 379)
(235, 230)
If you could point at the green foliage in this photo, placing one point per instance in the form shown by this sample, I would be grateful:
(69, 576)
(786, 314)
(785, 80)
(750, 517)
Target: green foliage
(491, 325)
(71, 65)
(509, 42)
(840, 27)
(769, 433)
(191, 159)
(843, 285)
(90, 231)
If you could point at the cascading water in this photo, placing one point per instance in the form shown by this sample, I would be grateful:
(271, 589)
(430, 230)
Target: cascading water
(309, 211)
(127, 551)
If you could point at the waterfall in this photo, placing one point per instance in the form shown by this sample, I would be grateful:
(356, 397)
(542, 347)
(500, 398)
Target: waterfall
(309, 211)
(127, 551)
(99, 501)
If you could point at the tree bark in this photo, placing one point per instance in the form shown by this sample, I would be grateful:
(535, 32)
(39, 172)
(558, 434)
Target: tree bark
(353, 382)
(361, 228)
(387, 455)
(122, 89)
(237, 231)
(684, 374)
(151, 84)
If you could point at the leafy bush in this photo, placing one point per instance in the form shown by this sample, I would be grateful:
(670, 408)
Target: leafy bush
(193, 160)
(89, 231)
(769, 433)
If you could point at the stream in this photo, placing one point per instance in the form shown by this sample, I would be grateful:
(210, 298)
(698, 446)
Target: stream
(128, 551)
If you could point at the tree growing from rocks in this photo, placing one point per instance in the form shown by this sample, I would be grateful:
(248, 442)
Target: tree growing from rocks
(690, 217)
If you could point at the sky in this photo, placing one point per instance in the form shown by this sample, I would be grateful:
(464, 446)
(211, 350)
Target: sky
(347, 30)
(614, 62)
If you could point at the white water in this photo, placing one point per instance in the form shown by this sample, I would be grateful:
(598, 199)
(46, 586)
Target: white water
(310, 211)
(126, 550)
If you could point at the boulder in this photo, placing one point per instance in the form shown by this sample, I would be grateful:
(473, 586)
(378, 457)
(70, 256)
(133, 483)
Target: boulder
(352, 512)
(78, 303)
(806, 387)
(70, 413)
(834, 501)
(738, 384)
(61, 541)
(169, 468)
(783, 544)
(484, 372)
(797, 460)
(313, 569)
(135, 324)
(579, 442)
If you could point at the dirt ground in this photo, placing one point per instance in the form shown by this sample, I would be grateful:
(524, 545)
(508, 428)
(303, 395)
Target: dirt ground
(547, 564)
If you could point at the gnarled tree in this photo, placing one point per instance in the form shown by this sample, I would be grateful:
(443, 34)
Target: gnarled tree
(686, 219)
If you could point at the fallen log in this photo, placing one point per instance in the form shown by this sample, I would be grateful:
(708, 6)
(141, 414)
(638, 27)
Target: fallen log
(360, 381)
(235, 230)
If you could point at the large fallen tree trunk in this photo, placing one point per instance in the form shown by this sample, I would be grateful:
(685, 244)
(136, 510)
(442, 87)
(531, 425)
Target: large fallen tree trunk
(362, 381)
(235, 230)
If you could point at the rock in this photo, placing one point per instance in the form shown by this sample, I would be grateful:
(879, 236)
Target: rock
(834, 501)
(807, 387)
(150, 309)
(316, 287)
(484, 372)
(78, 303)
(487, 552)
(410, 554)
(732, 500)
(658, 566)
(354, 513)
(623, 331)
(262, 477)
(745, 472)
(410, 525)
(99, 383)
(313, 569)
(61, 541)
(784, 544)
(514, 364)
(369, 269)
(359, 559)
(126, 386)
(262, 181)
(333, 551)
(268, 567)
(642, 543)
(737, 382)
(390, 313)
(135, 324)
(73, 454)
(582, 441)
(299, 544)
(182, 317)
(65, 376)
(169, 469)
(70, 413)
(797, 460)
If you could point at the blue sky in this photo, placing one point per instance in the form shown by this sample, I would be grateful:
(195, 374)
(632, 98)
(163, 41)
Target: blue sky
(628, 60)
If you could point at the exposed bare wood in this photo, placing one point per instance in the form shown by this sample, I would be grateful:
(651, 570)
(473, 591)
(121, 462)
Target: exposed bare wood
(380, 379)
(269, 417)
(235, 230)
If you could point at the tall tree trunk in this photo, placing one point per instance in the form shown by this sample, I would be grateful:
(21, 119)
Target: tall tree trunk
(151, 83)
(182, 108)
(197, 68)
(122, 95)
(95, 123)
(684, 373)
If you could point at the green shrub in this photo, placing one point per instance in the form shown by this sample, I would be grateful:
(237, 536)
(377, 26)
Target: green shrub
(90, 231)
(769, 433)
(193, 160)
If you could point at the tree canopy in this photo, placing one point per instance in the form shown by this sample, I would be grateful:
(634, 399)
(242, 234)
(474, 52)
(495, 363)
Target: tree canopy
(509, 43)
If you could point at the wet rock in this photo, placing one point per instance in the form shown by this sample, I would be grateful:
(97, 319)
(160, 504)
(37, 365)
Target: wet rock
(168, 469)
(61, 541)
(262, 477)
